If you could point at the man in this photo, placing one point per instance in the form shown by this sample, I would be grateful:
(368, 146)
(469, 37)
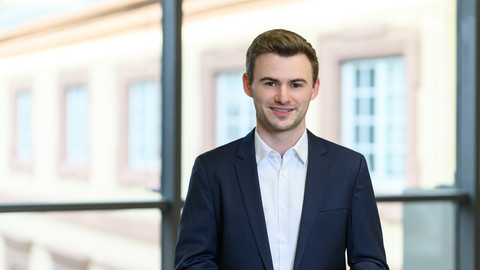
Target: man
(280, 198)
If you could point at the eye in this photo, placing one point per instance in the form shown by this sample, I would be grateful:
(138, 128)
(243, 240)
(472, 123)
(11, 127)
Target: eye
(270, 83)
(296, 85)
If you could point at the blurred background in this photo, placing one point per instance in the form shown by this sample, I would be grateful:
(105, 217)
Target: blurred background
(80, 115)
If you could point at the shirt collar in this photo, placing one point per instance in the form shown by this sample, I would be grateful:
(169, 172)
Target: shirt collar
(300, 148)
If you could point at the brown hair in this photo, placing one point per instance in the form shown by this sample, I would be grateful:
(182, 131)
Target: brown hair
(281, 42)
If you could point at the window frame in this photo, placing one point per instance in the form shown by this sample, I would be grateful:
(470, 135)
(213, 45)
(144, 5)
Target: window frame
(468, 134)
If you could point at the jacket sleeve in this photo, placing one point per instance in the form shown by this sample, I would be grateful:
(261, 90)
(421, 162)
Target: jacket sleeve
(197, 237)
(365, 248)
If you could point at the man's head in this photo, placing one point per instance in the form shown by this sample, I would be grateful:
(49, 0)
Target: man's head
(282, 79)
(283, 43)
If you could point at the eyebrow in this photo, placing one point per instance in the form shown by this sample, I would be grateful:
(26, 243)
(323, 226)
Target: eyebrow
(276, 80)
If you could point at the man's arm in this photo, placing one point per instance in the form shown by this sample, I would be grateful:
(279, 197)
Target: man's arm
(197, 237)
(364, 234)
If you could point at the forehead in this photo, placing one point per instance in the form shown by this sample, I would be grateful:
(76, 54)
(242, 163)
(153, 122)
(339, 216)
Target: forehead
(283, 67)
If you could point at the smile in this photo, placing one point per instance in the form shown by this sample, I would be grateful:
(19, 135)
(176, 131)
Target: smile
(282, 110)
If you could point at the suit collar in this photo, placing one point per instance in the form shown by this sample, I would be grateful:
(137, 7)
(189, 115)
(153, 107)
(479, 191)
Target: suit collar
(300, 148)
(247, 176)
(247, 146)
(317, 171)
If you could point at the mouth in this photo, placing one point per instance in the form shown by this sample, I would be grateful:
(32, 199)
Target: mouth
(282, 110)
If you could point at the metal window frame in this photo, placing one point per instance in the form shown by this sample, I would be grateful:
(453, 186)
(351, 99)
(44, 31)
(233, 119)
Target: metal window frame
(465, 193)
(468, 136)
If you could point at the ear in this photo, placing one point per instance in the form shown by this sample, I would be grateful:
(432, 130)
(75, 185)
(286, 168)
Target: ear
(247, 85)
(315, 89)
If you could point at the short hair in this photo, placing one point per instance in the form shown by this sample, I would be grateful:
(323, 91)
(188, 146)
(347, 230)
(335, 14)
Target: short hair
(284, 43)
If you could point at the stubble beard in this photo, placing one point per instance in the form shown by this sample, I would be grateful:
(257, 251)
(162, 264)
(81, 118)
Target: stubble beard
(277, 125)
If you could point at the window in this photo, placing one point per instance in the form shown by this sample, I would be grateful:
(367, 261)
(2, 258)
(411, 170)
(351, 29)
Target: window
(235, 115)
(373, 116)
(140, 123)
(24, 143)
(22, 123)
(228, 113)
(370, 102)
(76, 125)
(144, 125)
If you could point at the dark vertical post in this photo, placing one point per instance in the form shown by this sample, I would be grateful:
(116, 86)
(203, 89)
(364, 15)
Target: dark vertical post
(171, 126)
(468, 136)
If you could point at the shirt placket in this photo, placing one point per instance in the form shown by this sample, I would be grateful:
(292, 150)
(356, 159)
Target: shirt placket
(276, 168)
(283, 211)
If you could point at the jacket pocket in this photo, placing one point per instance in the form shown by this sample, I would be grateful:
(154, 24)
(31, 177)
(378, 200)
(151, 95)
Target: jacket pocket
(339, 211)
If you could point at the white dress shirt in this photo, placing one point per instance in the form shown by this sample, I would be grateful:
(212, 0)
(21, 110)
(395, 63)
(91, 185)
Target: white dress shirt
(282, 186)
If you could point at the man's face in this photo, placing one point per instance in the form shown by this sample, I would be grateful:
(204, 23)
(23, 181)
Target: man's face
(281, 89)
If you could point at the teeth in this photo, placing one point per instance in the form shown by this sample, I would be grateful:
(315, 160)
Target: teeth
(280, 110)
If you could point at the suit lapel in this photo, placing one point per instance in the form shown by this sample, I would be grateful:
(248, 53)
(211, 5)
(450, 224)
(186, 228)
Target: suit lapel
(247, 176)
(314, 187)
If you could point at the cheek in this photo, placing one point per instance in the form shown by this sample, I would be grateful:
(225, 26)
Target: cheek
(261, 97)
(305, 98)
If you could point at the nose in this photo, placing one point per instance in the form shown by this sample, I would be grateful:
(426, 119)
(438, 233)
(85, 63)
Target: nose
(283, 95)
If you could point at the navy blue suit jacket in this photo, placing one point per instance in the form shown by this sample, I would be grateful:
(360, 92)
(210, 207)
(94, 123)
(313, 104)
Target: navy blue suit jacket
(223, 226)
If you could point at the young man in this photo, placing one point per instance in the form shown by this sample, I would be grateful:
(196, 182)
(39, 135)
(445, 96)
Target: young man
(280, 198)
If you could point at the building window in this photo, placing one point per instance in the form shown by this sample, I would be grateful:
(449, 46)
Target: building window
(373, 115)
(144, 125)
(23, 130)
(76, 125)
(364, 99)
(235, 115)
(140, 124)
(228, 113)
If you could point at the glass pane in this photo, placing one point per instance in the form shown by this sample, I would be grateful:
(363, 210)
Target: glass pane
(419, 235)
(24, 126)
(76, 125)
(400, 57)
(101, 240)
(94, 130)
(144, 125)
